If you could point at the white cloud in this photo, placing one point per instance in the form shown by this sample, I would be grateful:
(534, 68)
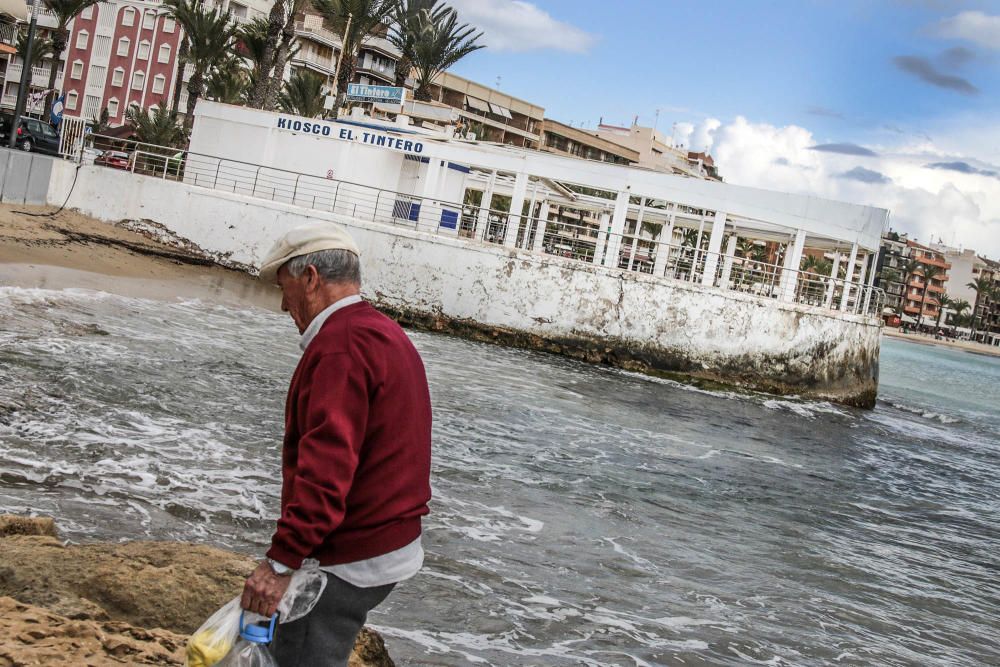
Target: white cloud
(973, 26)
(962, 207)
(518, 25)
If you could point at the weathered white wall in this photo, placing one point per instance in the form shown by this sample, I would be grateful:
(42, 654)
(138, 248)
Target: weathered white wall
(633, 317)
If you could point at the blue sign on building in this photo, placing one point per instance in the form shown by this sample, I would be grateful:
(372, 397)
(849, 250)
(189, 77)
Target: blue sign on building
(360, 92)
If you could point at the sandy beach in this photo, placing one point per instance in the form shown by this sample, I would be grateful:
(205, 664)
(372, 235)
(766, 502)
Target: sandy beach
(963, 345)
(44, 249)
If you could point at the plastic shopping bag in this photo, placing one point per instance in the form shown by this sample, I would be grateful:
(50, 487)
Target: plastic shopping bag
(216, 637)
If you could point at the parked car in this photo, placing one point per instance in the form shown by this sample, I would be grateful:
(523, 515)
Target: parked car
(113, 159)
(34, 135)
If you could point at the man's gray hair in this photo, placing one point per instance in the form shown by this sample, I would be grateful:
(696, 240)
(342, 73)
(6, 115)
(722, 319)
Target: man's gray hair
(333, 266)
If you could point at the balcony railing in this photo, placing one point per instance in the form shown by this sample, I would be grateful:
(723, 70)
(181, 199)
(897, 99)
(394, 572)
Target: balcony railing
(577, 245)
(325, 63)
(39, 74)
(8, 33)
(320, 33)
(369, 65)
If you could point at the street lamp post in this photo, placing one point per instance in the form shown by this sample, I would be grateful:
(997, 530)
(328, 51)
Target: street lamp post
(22, 89)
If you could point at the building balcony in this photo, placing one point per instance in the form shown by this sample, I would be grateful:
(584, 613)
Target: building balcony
(385, 72)
(382, 45)
(314, 61)
(317, 33)
(933, 261)
(8, 37)
(39, 74)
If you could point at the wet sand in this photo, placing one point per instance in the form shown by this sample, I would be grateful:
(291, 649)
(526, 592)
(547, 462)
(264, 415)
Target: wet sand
(43, 249)
(963, 345)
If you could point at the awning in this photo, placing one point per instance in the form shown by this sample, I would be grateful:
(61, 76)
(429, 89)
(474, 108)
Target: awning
(477, 104)
(499, 110)
(963, 330)
(420, 110)
(908, 319)
(16, 8)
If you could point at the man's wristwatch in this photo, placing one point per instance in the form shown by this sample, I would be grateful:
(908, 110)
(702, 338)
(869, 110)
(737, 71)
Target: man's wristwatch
(279, 569)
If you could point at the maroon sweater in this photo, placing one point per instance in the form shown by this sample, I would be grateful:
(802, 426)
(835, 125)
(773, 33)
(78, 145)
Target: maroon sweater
(357, 450)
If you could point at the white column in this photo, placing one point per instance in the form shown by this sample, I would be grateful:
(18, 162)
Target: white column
(663, 248)
(430, 211)
(714, 246)
(834, 273)
(483, 219)
(604, 221)
(543, 220)
(727, 264)
(635, 237)
(611, 257)
(516, 206)
(849, 277)
(790, 269)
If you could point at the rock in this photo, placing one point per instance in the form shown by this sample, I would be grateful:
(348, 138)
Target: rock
(26, 525)
(88, 588)
(30, 635)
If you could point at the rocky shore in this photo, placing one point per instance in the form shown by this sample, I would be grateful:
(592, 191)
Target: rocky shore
(132, 603)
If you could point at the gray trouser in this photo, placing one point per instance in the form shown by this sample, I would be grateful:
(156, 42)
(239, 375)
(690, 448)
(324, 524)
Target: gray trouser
(325, 637)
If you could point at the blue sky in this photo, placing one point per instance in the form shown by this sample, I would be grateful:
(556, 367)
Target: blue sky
(916, 82)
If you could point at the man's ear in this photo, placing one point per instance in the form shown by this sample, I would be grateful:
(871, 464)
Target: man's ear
(313, 280)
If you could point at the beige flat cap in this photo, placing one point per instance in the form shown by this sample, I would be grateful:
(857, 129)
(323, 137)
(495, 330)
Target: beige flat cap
(302, 240)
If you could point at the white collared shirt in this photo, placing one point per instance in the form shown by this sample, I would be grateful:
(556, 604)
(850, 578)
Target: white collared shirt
(388, 568)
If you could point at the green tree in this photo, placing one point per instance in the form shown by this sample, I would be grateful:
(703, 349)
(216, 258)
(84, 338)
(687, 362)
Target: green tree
(101, 123)
(270, 29)
(407, 20)
(210, 35)
(64, 12)
(944, 301)
(228, 82)
(40, 49)
(959, 307)
(354, 20)
(303, 94)
(438, 45)
(983, 289)
(929, 273)
(158, 127)
(286, 49)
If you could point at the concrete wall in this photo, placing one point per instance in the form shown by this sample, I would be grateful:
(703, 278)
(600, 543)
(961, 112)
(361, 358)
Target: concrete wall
(540, 301)
(24, 177)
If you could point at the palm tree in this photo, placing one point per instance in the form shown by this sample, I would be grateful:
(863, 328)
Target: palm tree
(286, 48)
(158, 127)
(252, 44)
(40, 49)
(407, 22)
(210, 36)
(959, 307)
(944, 301)
(64, 12)
(303, 94)
(364, 17)
(101, 123)
(929, 273)
(909, 267)
(984, 290)
(266, 51)
(438, 45)
(228, 82)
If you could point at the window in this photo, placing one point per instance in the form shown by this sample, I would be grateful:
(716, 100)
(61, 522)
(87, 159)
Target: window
(138, 80)
(123, 46)
(113, 107)
(148, 20)
(71, 98)
(77, 71)
(164, 56)
(82, 38)
(158, 82)
(118, 76)
(87, 13)
(128, 16)
(168, 24)
(142, 53)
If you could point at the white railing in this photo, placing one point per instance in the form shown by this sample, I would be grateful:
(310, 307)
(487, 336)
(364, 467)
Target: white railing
(322, 34)
(8, 33)
(323, 63)
(668, 259)
(39, 74)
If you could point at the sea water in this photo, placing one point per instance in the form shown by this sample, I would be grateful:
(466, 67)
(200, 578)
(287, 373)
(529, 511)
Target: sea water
(581, 515)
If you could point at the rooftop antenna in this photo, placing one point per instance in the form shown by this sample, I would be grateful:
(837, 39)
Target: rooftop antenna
(498, 82)
(656, 120)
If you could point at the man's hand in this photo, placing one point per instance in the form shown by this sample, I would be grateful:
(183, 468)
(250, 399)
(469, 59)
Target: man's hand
(264, 589)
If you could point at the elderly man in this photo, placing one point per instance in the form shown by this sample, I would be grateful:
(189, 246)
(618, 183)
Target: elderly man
(356, 453)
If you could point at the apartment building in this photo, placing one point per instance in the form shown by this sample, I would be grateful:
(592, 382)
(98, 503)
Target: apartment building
(892, 256)
(921, 297)
(490, 114)
(656, 151)
(988, 313)
(567, 140)
(16, 16)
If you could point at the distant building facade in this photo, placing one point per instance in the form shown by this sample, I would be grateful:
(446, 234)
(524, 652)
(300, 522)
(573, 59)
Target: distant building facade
(566, 140)
(657, 152)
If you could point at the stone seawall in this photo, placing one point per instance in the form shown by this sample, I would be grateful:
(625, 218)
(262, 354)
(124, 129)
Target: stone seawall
(520, 298)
